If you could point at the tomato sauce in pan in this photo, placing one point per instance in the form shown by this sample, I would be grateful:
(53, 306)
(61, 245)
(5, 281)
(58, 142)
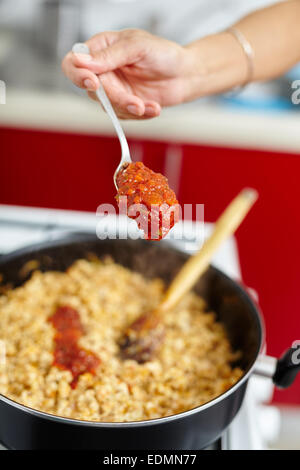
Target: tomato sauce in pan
(67, 354)
(159, 211)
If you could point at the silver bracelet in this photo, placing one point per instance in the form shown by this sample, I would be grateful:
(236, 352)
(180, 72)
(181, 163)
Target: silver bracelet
(249, 53)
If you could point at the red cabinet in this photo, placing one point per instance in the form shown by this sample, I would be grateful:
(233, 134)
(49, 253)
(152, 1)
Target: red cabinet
(268, 241)
(61, 170)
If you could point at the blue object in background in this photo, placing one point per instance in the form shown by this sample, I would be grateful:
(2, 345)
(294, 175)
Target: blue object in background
(273, 96)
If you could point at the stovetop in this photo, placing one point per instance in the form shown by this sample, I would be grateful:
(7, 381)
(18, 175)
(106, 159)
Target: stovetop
(21, 226)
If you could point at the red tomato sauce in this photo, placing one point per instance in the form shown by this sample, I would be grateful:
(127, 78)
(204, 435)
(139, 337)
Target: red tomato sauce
(160, 209)
(67, 354)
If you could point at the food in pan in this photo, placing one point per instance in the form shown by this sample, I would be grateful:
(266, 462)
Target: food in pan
(68, 355)
(150, 201)
(61, 331)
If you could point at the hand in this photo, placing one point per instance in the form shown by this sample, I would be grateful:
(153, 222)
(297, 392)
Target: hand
(140, 72)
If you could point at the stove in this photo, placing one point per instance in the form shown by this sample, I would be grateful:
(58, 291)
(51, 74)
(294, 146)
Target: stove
(256, 424)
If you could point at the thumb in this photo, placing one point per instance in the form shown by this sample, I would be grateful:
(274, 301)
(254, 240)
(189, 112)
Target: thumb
(110, 58)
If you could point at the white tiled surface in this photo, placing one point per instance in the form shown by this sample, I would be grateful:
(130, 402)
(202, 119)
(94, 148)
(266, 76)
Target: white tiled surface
(289, 434)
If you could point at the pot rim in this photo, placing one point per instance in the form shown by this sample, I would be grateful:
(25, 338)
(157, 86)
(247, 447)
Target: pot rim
(150, 422)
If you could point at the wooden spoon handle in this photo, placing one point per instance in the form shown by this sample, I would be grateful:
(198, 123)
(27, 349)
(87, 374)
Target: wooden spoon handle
(225, 226)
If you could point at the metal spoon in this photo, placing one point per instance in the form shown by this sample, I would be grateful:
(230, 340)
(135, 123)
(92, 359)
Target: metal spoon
(81, 48)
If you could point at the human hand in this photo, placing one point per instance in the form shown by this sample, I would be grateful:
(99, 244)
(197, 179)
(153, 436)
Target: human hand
(140, 72)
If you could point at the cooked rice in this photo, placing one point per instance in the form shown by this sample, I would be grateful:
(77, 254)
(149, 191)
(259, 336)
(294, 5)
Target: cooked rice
(192, 367)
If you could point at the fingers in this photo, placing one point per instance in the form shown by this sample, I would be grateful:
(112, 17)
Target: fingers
(122, 96)
(126, 104)
(109, 58)
(151, 109)
(80, 76)
(111, 51)
(93, 96)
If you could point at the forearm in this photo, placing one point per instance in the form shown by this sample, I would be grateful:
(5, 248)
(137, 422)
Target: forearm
(221, 63)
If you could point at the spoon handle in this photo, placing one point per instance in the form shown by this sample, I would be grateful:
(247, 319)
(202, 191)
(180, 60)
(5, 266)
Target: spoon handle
(225, 226)
(82, 48)
(103, 98)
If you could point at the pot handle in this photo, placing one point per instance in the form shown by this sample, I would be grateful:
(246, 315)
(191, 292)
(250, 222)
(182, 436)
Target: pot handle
(287, 368)
(282, 371)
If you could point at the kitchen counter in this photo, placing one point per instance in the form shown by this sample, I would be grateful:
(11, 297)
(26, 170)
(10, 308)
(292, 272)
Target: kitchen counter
(203, 123)
(21, 226)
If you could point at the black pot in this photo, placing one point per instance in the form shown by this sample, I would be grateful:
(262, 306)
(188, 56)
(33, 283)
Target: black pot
(24, 428)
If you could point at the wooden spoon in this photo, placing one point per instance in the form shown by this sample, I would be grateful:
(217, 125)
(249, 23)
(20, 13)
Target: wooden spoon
(144, 336)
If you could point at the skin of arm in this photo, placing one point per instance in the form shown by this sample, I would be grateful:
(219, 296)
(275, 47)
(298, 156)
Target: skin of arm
(142, 73)
(274, 35)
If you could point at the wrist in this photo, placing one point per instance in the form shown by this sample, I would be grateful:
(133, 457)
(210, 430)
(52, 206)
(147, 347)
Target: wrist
(217, 64)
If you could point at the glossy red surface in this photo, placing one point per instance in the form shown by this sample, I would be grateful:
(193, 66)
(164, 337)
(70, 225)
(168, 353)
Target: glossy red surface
(68, 354)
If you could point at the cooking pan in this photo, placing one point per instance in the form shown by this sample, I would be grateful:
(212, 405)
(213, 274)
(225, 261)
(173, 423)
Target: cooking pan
(24, 428)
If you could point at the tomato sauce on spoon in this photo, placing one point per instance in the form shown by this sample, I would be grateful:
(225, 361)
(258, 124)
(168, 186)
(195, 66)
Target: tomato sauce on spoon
(150, 200)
